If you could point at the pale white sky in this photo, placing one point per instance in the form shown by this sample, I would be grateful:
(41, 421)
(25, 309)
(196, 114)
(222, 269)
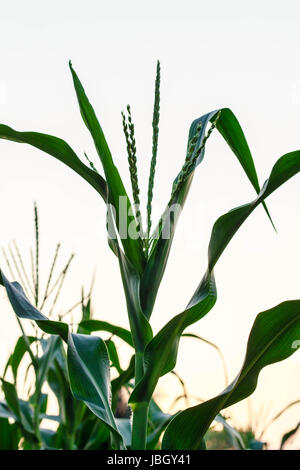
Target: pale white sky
(244, 55)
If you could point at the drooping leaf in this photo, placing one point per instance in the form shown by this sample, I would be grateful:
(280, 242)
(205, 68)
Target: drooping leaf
(59, 149)
(24, 309)
(161, 353)
(88, 364)
(270, 341)
(213, 345)
(229, 127)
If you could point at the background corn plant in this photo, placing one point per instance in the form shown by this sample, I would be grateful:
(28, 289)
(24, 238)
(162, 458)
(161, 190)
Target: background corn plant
(142, 259)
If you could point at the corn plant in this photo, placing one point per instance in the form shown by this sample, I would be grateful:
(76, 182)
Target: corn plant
(143, 254)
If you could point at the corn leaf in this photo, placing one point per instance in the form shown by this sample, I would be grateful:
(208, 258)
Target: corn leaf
(98, 325)
(59, 149)
(19, 407)
(161, 353)
(16, 357)
(232, 132)
(89, 378)
(270, 341)
(9, 435)
(116, 189)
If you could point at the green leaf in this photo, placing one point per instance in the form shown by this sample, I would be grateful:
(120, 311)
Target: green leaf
(113, 355)
(98, 436)
(49, 439)
(88, 364)
(122, 380)
(124, 426)
(59, 149)
(98, 325)
(5, 411)
(16, 357)
(20, 409)
(24, 309)
(45, 362)
(86, 314)
(161, 353)
(231, 130)
(9, 435)
(116, 189)
(59, 384)
(234, 435)
(158, 421)
(213, 345)
(270, 341)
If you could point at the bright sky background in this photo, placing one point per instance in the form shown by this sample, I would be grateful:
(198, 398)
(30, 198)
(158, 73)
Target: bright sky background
(242, 55)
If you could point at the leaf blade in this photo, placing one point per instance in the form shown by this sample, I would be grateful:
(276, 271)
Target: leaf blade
(270, 341)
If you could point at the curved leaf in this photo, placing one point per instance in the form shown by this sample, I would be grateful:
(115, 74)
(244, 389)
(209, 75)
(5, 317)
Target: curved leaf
(98, 325)
(20, 408)
(161, 353)
(16, 357)
(213, 345)
(288, 435)
(59, 149)
(235, 437)
(270, 341)
(88, 364)
(24, 309)
(230, 129)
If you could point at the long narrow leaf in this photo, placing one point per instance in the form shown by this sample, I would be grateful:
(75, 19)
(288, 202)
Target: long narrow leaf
(98, 325)
(88, 364)
(59, 149)
(132, 247)
(270, 341)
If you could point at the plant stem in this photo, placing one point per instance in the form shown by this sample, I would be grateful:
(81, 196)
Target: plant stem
(140, 413)
(139, 426)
